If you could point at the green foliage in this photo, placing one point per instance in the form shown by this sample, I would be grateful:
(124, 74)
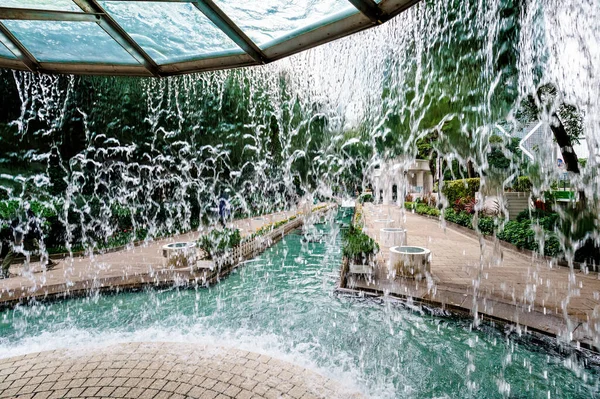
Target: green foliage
(522, 184)
(464, 188)
(218, 241)
(460, 218)
(548, 220)
(365, 197)
(520, 234)
(357, 246)
(423, 209)
(486, 225)
(503, 152)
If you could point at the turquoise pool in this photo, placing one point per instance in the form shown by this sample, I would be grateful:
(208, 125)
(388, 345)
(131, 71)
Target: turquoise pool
(283, 304)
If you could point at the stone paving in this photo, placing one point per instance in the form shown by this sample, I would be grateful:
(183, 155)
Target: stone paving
(161, 370)
(510, 285)
(127, 268)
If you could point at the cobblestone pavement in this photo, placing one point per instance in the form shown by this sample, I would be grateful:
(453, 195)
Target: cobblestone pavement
(127, 268)
(161, 370)
(481, 275)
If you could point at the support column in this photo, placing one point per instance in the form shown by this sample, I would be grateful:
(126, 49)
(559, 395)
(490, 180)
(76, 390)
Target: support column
(429, 183)
(387, 193)
(420, 180)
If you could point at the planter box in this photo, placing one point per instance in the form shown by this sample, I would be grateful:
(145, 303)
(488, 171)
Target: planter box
(361, 269)
(410, 261)
(180, 254)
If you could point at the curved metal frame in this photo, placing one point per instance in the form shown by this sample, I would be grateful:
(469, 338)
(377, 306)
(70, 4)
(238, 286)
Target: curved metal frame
(369, 14)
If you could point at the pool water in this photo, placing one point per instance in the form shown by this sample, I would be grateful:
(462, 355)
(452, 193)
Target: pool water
(283, 304)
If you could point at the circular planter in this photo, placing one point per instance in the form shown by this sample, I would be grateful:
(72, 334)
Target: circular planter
(410, 261)
(392, 236)
(379, 224)
(180, 254)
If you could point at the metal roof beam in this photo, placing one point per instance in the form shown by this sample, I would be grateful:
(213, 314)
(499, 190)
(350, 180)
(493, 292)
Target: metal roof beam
(17, 48)
(46, 15)
(111, 27)
(223, 22)
(368, 8)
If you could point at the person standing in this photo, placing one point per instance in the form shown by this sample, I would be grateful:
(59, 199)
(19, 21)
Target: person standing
(222, 210)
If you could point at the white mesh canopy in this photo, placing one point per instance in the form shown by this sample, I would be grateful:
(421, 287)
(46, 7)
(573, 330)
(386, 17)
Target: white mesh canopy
(168, 37)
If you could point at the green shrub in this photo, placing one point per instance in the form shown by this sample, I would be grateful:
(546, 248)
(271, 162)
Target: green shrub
(218, 241)
(464, 188)
(423, 209)
(357, 246)
(548, 220)
(518, 233)
(486, 225)
(366, 197)
(460, 218)
(522, 184)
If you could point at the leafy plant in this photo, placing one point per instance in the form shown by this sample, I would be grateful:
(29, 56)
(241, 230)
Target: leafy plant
(430, 199)
(470, 205)
(464, 188)
(359, 247)
(366, 197)
(218, 241)
(522, 184)
(460, 218)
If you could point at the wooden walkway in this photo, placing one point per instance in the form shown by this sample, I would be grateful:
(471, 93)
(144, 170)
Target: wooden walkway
(131, 268)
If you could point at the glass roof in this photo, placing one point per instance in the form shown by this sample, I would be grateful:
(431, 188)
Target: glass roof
(5, 52)
(57, 41)
(58, 5)
(165, 37)
(171, 32)
(265, 21)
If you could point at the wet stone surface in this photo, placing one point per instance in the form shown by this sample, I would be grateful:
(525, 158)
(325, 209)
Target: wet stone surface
(160, 370)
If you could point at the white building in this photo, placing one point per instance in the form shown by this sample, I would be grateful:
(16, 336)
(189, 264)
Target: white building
(393, 180)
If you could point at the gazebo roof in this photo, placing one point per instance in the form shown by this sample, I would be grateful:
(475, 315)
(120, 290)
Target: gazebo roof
(170, 37)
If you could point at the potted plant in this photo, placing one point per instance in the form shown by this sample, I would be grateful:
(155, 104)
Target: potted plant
(360, 250)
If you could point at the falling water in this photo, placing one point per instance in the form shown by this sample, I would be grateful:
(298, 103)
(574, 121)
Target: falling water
(108, 161)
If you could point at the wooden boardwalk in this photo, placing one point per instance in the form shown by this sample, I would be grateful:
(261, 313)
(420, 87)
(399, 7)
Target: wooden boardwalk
(130, 268)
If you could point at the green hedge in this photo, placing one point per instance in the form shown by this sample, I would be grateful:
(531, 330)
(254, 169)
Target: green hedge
(422, 209)
(457, 189)
(520, 234)
(522, 184)
(517, 232)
